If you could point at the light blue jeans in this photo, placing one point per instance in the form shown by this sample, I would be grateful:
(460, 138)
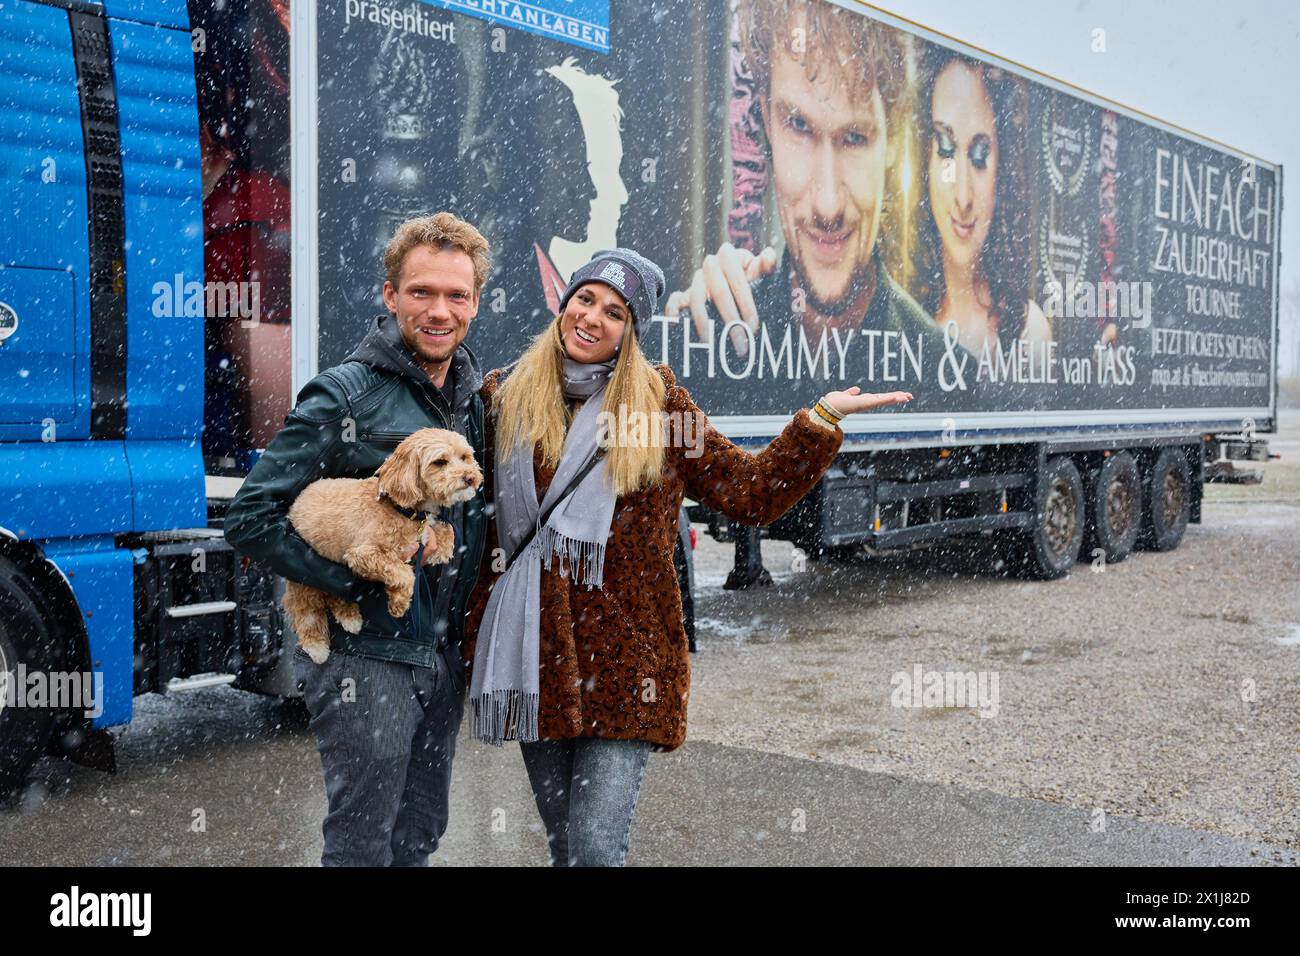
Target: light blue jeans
(586, 790)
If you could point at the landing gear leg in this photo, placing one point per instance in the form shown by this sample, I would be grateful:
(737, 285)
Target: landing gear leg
(748, 570)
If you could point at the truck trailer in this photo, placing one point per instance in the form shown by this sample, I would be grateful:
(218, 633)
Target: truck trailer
(199, 194)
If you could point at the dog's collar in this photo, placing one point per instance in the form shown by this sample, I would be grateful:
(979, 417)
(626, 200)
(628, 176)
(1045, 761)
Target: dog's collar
(413, 513)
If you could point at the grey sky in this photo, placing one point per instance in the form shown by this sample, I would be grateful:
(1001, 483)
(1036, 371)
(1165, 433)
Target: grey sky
(1230, 71)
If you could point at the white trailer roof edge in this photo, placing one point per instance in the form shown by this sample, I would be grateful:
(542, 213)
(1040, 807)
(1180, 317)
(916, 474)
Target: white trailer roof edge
(1029, 73)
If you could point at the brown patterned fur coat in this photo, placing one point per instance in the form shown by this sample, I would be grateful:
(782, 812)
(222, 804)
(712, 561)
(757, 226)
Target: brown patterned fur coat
(614, 660)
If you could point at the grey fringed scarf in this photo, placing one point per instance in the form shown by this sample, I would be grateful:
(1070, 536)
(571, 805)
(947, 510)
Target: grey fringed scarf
(505, 685)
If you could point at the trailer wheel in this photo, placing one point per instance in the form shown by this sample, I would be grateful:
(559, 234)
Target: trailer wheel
(1052, 546)
(28, 638)
(1168, 501)
(1114, 508)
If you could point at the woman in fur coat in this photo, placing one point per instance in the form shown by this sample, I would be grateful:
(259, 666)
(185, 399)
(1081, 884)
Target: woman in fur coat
(575, 638)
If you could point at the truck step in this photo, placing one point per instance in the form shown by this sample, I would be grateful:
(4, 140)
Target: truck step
(206, 607)
(199, 681)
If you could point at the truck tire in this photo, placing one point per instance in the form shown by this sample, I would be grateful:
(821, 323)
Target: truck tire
(1051, 547)
(1114, 508)
(28, 637)
(1167, 501)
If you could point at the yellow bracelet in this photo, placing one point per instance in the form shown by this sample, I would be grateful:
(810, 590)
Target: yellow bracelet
(833, 423)
(821, 422)
(824, 407)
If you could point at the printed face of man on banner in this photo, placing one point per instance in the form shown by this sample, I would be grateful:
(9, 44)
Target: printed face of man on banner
(828, 141)
(824, 80)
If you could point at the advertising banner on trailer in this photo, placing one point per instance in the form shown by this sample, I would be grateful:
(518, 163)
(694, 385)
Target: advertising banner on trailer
(1019, 255)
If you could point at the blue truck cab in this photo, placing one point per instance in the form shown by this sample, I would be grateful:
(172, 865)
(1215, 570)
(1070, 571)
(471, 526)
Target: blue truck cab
(109, 563)
(145, 173)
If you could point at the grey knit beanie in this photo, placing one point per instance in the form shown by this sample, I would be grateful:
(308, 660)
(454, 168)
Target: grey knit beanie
(638, 280)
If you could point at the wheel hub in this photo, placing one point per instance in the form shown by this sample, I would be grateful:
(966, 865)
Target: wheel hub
(1061, 517)
(1121, 514)
(1172, 496)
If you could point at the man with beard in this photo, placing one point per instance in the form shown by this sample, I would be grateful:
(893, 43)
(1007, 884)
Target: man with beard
(823, 78)
(386, 704)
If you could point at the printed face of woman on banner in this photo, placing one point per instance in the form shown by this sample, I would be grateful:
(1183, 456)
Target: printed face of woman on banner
(963, 168)
(974, 255)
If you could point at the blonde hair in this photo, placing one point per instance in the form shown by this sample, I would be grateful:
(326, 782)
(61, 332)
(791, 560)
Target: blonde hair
(863, 52)
(442, 230)
(531, 409)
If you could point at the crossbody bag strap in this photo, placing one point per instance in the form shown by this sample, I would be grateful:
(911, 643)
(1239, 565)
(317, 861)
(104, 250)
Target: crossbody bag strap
(545, 516)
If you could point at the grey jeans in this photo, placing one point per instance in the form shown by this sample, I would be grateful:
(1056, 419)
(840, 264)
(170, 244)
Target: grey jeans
(386, 733)
(586, 790)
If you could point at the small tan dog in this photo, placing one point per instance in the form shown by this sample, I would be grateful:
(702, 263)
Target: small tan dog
(375, 525)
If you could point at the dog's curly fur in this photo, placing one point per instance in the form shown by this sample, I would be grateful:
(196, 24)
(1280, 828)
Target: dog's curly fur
(353, 521)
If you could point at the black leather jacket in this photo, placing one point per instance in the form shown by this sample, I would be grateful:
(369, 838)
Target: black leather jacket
(348, 419)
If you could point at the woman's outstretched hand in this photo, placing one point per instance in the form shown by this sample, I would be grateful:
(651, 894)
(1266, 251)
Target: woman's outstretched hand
(853, 400)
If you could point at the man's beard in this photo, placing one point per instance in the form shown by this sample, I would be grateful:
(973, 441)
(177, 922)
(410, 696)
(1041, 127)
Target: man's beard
(419, 345)
(859, 282)
(436, 359)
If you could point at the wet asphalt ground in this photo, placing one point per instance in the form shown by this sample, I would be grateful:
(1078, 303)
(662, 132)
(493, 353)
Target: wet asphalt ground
(247, 770)
(220, 777)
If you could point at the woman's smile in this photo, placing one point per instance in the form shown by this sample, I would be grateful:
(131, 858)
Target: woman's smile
(963, 230)
(593, 323)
